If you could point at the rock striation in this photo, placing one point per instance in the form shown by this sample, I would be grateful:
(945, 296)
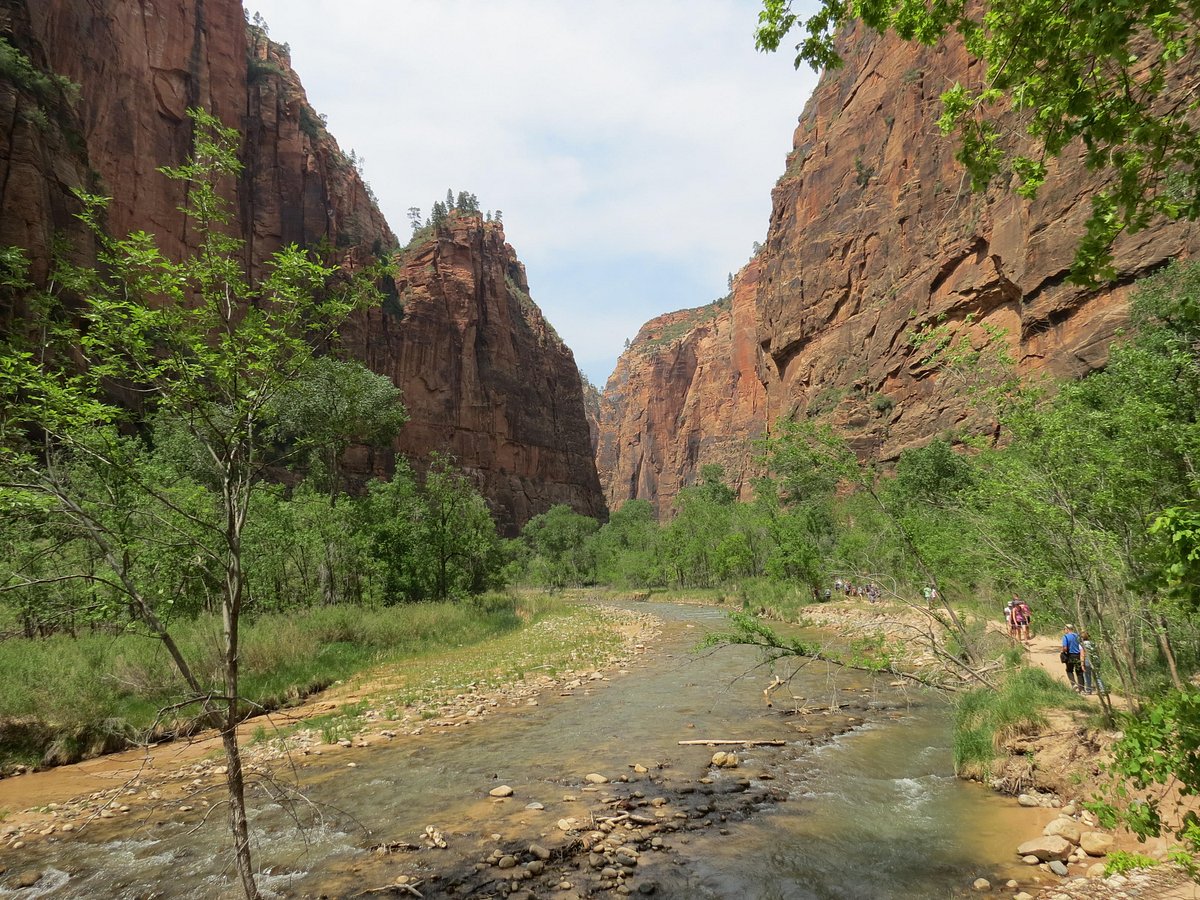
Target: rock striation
(687, 393)
(874, 238)
(507, 405)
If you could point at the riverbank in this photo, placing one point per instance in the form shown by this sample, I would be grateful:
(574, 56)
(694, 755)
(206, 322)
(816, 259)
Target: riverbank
(1052, 768)
(560, 652)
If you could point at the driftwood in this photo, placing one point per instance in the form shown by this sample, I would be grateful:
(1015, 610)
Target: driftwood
(714, 743)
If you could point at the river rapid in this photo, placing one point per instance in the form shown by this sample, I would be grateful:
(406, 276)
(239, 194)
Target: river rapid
(860, 801)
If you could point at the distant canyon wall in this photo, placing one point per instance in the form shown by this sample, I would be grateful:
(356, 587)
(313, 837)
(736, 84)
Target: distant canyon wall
(686, 393)
(875, 234)
(139, 67)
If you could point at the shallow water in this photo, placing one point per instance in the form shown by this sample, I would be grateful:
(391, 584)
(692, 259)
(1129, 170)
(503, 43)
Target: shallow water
(874, 813)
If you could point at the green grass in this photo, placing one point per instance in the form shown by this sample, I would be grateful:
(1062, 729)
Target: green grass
(80, 696)
(1119, 862)
(985, 719)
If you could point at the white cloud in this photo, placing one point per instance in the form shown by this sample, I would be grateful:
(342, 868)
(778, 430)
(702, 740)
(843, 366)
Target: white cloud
(604, 130)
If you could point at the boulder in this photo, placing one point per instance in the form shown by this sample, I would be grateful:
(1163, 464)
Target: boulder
(1096, 843)
(1064, 828)
(1046, 848)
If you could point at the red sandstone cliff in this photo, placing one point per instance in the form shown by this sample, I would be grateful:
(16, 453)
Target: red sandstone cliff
(484, 377)
(875, 234)
(687, 393)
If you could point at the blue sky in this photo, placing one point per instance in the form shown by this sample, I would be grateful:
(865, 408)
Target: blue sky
(632, 146)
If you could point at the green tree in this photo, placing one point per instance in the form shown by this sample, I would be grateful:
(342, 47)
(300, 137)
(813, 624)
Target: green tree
(196, 344)
(464, 554)
(1112, 76)
(626, 547)
(337, 403)
(560, 547)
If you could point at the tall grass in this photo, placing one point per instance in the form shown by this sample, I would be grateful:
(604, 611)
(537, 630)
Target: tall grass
(985, 719)
(85, 694)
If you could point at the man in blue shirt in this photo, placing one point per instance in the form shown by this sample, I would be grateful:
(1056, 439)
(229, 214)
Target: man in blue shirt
(1070, 653)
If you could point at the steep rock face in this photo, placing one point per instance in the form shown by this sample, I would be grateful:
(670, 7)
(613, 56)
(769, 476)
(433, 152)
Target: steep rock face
(41, 151)
(591, 409)
(687, 393)
(485, 377)
(472, 388)
(875, 237)
(875, 234)
(141, 66)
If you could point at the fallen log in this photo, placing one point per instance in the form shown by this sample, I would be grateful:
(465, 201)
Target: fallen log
(724, 743)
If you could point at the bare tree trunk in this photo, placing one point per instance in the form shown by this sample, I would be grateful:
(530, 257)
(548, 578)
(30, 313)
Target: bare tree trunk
(1168, 652)
(234, 497)
(236, 784)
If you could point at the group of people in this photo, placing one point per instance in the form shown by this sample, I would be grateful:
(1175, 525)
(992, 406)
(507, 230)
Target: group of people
(1079, 656)
(1019, 619)
(870, 590)
(1078, 651)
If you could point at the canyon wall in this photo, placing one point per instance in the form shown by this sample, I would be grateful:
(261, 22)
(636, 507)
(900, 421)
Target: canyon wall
(875, 237)
(138, 68)
(686, 393)
(484, 375)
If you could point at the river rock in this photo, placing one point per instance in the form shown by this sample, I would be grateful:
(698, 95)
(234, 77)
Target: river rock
(27, 879)
(1046, 848)
(539, 851)
(1022, 896)
(639, 769)
(534, 805)
(595, 778)
(1030, 860)
(1058, 868)
(982, 885)
(535, 867)
(502, 791)
(507, 862)
(1027, 800)
(1095, 843)
(1064, 828)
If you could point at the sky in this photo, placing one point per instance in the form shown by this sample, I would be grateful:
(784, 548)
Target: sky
(631, 146)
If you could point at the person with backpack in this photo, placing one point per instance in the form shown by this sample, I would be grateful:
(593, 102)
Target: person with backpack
(1071, 653)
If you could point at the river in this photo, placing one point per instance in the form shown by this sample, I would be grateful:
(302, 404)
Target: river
(860, 802)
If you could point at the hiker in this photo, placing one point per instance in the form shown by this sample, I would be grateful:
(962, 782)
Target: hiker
(1027, 617)
(1070, 655)
(1090, 662)
(1020, 625)
(1010, 620)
